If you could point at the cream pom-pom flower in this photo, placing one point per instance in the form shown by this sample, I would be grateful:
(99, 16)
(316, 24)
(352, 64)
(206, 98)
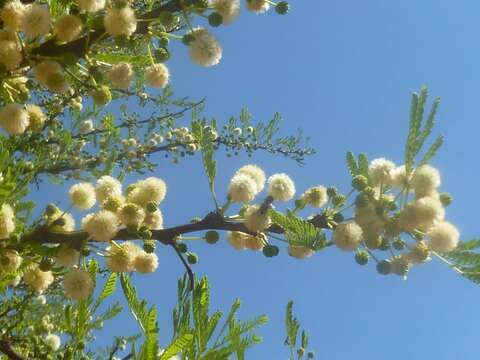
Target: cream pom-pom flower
(380, 171)
(120, 21)
(145, 262)
(13, 119)
(90, 5)
(256, 173)
(151, 189)
(242, 188)
(39, 280)
(113, 203)
(300, 252)
(67, 256)
(399, 177)
(348, 236)
(10, 54)
(121, 75)
(46, 69)
(78, 284)
(258, 6)
(154, 221)
(421, 214)
(131, 214)
(281, 187)
(53, 341)
(12, 14)
(229, 9)
(68, 27)
(256, 220)
(36, 118)
(121, 258)
(36, 21)
(106, 187)
(204, 49)
(82, 196)
(444, 237)
(425, 180)
(7, 221)
(60, 221)
(237, 239)
(11, 261)
(316, 196)
(102, 226)
(157, 75)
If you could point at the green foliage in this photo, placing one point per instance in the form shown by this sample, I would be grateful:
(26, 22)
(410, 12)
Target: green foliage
(292, 326)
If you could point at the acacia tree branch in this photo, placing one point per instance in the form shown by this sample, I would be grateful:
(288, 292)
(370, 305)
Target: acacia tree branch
(7, 349)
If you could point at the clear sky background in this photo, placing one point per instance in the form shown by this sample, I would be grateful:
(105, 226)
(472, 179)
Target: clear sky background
(343, 71)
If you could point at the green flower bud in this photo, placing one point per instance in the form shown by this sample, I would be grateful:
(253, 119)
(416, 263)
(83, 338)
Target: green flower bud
(361, 200)
(282, 8)
(101, 96)
(182, 247)
(212, 237)
(192, 258)
(373, 241)
(215, 19)
(392, 206)
(398, 244)
(187, 39)
(361, 257)
(162, 54)
(359, 182)
(418, 235)
(300, 203)
(163, 41)
(166, 18)
(370, 192)
(446, 199)
(149, 246)
(152, 207)
(46, 264)
(383, 267)
(145, 234)
(338, 218)
(85, 252)
(339, 200)
(332, 191)
(132, 229)
(96, 73)
(385, 244)
(270, 250)
(301, 351)
(310, 355)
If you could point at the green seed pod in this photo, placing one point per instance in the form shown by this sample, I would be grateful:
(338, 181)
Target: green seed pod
(212, 237)
(215, 19)
(359, 182)
(383, 267)
(182, 247)
(282, 8)
(46, 264)
(270, 250)
(446, 199)
(361, 257)
(192, 258)
(149, 246)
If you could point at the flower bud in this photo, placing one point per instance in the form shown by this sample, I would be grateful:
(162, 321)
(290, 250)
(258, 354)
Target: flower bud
(149, 246)
(359, 182)
(270, 250)
(446, 199)
(212, 237)
(383, 267)
(282, 7)
(192, 258)
(215, 19)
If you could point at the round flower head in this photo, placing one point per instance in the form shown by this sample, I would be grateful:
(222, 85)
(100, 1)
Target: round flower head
(316, 196)
(242, 188)
(444, 237)
(68, 27)
(380, 171)
(90, 5)
(13, 119)
(229, 9)
(256, 220)
(425, 181)
(145, 262)
(7, 221)
(10, 262)
(102, 226)
(399, 177)
(36, 118)
(60, 221)
(255, 243)
(82, 196)
(10, 54)
(120, 21)
(369, 220)
(151, 189)
(121, 258)
(113, 203)
(131, 214)
(53, 341)
(39, 280)
(258, 6)
(204, 49)
(45, 69)
(121, 75)
(421, 214)
(400, 265)
(154, 221)
(300, 252)
(281, 187)
(256, 173)
(348, 236)
(237, 239)
(67, 256)
(157, 75)
(12, 14)
(107, 187)
(36, 21)
(78, 284)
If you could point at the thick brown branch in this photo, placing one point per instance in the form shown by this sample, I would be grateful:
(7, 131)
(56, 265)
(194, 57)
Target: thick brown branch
(7, 349)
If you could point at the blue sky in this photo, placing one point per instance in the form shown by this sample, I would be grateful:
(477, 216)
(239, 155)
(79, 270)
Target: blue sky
(343, 71)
